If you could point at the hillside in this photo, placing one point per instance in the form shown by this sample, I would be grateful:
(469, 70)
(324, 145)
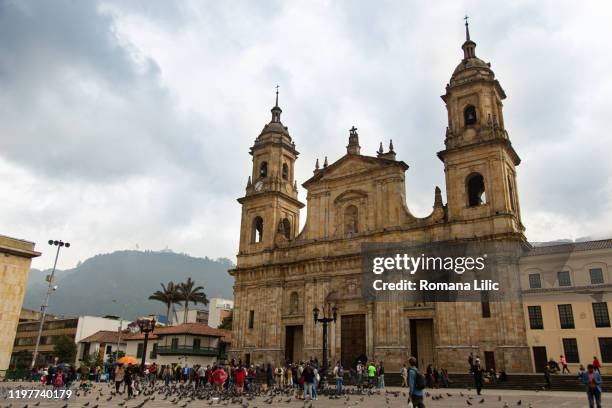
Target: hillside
(129, 277)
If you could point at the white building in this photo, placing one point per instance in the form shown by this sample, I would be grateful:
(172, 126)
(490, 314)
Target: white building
(218, 309)
(190, 343)
(193, 316)
(104, 342)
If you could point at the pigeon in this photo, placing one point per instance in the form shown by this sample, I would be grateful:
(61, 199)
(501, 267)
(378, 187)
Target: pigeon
(519, 402)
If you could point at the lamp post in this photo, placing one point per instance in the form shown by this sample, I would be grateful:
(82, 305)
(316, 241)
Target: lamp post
(119, 330)
(59, 244)
(146, 326)
(324, 320)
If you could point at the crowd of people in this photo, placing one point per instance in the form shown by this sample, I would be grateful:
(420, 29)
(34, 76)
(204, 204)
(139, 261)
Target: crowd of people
(304, 378)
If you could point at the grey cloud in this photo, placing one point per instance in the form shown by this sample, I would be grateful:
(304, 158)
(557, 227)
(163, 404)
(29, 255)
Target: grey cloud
(132, 121)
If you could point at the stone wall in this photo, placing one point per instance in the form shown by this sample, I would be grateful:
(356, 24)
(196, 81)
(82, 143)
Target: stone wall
(15, 259)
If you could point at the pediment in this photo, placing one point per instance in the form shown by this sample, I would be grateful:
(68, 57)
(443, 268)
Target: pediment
(350, 195)
(350, 165)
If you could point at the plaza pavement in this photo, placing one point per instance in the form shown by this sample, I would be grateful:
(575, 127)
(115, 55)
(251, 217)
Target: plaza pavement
(393, 398)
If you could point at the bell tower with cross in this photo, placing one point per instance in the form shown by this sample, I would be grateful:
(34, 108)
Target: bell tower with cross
(479, 159)
(270, 207)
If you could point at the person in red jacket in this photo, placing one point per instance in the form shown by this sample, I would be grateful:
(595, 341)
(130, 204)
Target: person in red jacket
(239, 376)
(596, 364)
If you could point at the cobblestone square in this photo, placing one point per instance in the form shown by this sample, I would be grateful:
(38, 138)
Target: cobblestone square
(392, 397)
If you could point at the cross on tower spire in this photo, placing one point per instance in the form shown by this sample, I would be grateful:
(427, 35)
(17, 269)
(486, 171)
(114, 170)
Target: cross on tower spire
(276, 110)
(277, 95)
(469, 46)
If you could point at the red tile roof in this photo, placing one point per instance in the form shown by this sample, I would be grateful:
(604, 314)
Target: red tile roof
(104, 336)
(197, 329)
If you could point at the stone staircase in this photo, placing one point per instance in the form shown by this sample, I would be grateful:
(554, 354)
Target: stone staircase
(527, 381)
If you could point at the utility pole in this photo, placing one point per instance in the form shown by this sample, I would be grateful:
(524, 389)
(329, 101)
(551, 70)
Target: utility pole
(50, 289)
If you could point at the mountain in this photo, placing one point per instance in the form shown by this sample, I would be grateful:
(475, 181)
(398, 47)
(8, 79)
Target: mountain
(128, 277)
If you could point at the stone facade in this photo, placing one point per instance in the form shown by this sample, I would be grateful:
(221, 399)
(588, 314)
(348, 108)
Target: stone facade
(15, 258)
(282, 273)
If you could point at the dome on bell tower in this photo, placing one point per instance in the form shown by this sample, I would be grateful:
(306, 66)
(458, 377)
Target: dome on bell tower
(471, 67)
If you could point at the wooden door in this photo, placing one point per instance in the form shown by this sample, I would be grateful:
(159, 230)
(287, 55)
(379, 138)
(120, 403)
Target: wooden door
(489, 360)
(540, 359)
(353, 340)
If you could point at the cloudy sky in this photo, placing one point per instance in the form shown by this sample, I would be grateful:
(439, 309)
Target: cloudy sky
(126, 124)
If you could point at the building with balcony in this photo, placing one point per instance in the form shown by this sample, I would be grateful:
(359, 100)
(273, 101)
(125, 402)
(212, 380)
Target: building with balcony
(567, 291)
(190, 343)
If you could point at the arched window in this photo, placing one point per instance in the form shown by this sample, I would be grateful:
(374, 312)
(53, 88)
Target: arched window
(469, 115)
(476, 190)
(294, 303)
(257, 234)
(285, 228)
(263, 169)
(351, 220)
(285, 171)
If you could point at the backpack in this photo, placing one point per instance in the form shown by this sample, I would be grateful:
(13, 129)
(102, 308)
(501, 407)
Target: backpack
(419, 380)
(340, 372)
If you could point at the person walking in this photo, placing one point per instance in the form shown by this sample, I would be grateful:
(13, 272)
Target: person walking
(359, 369)
(592, 381)
(547, 377)
(308, 375)
(289, 374)
(127, 379)
(381, 375)
(563, 363)
(339, 376)
(167, 374)
(416, 384)
(404, 375)
(119, 376)
(315, 378)
(596, 364)
(371, 374)
(239, 376)
(478, 374)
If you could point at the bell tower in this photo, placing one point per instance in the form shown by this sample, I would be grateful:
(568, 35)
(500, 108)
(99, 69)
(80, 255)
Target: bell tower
(479, 160)
(270, 208)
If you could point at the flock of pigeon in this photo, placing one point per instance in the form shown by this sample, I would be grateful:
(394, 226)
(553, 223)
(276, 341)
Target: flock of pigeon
(187, 396)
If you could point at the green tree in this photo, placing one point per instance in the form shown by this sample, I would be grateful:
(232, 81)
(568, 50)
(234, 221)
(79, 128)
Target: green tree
(169, 295)
(112, 357)
(65, 349)
(190, 293)
(226, 324)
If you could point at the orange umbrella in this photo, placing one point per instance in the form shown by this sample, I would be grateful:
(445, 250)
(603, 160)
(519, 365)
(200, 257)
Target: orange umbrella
(127, 360)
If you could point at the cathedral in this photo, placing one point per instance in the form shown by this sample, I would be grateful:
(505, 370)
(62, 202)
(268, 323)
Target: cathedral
(283, 273)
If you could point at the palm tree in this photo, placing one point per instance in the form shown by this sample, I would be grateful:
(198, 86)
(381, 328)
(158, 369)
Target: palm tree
(191, 293)
(169, 295)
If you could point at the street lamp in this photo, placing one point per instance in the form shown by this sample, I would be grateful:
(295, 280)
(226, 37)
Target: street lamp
(324, 320)
(119, 330)
(146, 326)
(51, 288)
